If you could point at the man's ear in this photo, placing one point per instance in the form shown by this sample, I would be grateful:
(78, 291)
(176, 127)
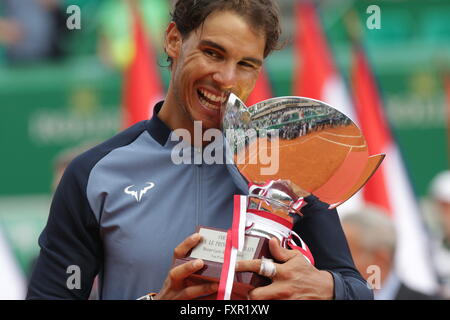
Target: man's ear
(172, 44)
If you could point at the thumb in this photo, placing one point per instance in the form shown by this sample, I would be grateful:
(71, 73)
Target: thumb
(279, 253)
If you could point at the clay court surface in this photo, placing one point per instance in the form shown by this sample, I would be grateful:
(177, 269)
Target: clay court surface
(310, 160)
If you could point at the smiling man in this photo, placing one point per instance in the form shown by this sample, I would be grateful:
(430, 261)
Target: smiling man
(222, 55)
(106, 219)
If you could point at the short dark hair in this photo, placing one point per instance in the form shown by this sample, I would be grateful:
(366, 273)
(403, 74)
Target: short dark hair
(263, 15)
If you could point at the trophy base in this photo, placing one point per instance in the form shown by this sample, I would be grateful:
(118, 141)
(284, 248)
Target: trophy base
(256, 247)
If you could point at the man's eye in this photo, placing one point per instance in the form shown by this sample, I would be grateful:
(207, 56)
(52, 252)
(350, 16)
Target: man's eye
(247, 65)
(211, 53)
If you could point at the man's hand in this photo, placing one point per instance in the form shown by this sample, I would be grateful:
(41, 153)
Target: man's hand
(296, 278)
(175, 286)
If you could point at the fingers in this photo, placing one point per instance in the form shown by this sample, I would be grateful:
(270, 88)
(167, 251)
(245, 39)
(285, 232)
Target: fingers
(275, 291)
(255, 266)
(248, 265)
(203, 290)
(199, 290)
(181, 272)
(279, 253)
(184, 247)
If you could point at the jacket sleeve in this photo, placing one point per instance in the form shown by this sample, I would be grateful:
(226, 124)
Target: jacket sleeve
(71, 250)
(321, 229)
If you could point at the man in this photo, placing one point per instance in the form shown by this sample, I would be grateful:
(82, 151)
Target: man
(123, 207)
(372, 239)
(440, 196)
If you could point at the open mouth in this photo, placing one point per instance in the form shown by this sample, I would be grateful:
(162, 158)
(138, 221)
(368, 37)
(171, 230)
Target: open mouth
(210, 100)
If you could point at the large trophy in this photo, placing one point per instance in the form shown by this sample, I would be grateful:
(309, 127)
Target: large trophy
(281, 150)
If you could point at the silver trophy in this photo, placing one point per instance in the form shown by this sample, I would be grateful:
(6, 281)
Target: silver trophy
(313, 148)
(281, 151)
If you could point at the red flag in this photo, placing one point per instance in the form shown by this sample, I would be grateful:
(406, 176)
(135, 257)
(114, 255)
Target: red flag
(372, 122)
(316, 75)
(389, 188)
(142, 84)
(262, 90)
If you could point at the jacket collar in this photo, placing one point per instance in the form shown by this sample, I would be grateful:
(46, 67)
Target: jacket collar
(157, 128)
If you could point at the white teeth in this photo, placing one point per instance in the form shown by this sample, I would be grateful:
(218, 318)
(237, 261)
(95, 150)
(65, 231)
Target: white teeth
(212, 97)
(208, 105)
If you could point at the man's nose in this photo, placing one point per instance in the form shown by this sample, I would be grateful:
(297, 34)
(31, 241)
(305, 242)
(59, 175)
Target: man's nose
(226, 76)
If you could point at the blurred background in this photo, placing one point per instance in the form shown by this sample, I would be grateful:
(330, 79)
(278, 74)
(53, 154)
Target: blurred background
(66, 68)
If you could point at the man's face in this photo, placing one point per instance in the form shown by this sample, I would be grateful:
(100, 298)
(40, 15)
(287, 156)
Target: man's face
(444, 208)
(223, 55)
(361, 257)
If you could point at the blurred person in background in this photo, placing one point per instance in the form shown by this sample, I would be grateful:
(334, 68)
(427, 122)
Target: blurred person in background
(32, 30)
(440, 196)
(372, 238)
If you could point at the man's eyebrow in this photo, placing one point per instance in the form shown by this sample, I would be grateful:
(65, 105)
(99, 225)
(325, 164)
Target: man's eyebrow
(217, 46)
(210, 43)
(257, 62)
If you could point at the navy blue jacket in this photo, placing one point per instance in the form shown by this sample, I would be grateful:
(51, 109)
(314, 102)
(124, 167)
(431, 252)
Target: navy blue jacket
(123, 206)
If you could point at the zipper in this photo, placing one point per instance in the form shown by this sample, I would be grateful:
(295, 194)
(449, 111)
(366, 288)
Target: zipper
(198, 172)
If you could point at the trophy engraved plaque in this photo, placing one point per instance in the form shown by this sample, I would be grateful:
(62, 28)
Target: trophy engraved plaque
(281, 150)
(212, 248)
